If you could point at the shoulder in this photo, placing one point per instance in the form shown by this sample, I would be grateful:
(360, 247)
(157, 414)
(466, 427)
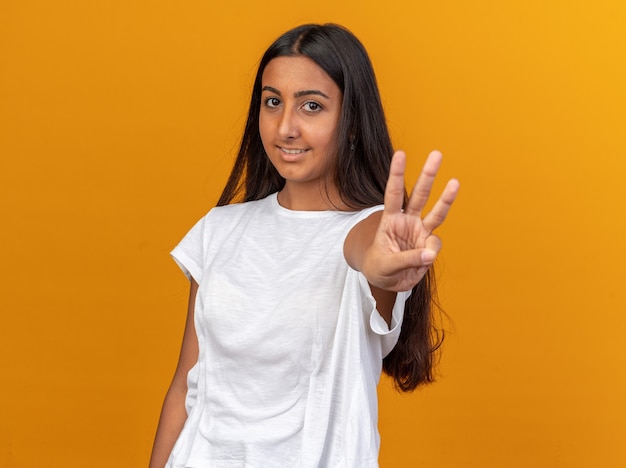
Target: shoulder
(365, 219)
(361, 235)
(365, 226)
(221, 222)
(367, 213)
(236, 210)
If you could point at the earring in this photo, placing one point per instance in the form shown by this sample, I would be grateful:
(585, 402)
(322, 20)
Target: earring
(351, 145)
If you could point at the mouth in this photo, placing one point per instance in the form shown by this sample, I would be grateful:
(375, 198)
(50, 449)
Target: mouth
(291, 154)
(291, 150)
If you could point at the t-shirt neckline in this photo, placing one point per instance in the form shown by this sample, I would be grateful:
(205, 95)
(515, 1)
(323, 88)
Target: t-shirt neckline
(273, 198)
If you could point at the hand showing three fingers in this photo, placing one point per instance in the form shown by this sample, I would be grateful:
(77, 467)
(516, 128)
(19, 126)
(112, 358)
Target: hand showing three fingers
(404, 245)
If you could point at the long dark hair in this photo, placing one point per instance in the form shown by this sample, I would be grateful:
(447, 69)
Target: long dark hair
(364, 152)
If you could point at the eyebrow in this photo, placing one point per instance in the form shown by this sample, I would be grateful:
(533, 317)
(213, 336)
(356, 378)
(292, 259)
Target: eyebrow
(306, 92)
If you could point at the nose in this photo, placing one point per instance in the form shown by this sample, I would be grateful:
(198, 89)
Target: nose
(288, 126)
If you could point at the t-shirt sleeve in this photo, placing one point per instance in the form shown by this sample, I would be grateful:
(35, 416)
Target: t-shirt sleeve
(188, 254)
(389, 334)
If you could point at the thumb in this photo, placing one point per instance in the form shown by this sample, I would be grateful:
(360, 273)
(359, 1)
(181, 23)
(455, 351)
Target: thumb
(409, 259)
(432, 246)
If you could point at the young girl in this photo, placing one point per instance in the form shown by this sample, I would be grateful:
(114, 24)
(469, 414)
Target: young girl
(303, 285)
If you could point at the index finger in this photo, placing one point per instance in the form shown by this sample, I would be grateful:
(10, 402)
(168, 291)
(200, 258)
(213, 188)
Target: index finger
(394, 190)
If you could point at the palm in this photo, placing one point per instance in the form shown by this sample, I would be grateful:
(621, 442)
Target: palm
(404, 246)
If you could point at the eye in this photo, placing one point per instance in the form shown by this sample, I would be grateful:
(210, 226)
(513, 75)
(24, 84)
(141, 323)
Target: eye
(272, 102)
(312, 106)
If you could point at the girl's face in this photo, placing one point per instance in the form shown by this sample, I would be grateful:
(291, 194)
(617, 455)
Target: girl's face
(298, 121)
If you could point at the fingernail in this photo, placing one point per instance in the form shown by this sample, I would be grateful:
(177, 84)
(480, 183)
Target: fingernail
(428, 256)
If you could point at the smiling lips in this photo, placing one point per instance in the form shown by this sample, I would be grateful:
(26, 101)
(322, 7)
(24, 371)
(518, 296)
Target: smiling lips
(291, 154)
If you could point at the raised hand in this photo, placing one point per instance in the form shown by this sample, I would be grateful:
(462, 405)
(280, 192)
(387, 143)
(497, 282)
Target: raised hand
(404, 245)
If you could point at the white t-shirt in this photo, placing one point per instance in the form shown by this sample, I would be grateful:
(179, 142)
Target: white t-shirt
(290, 342)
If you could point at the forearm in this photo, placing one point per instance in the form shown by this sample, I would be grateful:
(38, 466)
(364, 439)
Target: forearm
(174, 413)
(171, 422)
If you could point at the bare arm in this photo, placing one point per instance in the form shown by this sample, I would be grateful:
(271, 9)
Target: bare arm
(395, 248)
(173, 413)
(357, 242)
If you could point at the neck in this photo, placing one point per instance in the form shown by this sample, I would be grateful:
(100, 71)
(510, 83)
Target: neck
(314, 197)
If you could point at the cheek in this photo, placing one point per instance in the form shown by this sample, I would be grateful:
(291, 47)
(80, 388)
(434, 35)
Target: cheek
(327, 133)
(327, 137)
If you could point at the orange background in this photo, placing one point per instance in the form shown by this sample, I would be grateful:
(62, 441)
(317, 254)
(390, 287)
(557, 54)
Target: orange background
(118, 124)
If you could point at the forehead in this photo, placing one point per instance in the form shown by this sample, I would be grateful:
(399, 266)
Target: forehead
(297, 73)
